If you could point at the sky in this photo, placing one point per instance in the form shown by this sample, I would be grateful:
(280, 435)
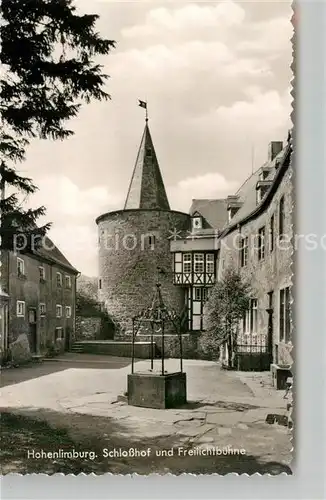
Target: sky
(217, 79)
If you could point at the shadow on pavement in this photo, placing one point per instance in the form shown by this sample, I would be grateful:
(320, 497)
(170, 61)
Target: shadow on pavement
(15, 375)
(51, 431)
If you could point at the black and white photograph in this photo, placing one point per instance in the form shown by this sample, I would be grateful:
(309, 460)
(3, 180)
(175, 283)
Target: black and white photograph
(147, 244)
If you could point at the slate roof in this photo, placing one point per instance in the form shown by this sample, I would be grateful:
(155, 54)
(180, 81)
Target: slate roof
(146, 189)
(52, 253)
(250, 209)
(214, 212)
(247, 192)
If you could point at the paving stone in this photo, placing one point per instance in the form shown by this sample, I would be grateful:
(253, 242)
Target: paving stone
(195, 431)
(230, 418)
(206, 439)
(224, 431)
(242, 426)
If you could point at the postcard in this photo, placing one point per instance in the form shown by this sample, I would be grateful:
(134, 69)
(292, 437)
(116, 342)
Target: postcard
(147, 240)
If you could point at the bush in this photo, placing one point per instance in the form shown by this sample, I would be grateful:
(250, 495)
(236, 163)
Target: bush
(227, 304)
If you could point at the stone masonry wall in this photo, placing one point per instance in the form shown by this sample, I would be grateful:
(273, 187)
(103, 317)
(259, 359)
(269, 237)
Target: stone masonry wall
(274, 271)
(32, 291)
(128, 262)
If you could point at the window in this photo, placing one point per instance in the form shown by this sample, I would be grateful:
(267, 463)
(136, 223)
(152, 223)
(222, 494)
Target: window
(204, 294)
(68, 311)
(59, 279)
(20, 308)
(58, 333)
(177, 262)
(210, 267)
(197, 223)
(244, 251)
(151, 240)
(187, 263)
(68, 281)
(99, 284)
(281, 217)
(250, 318)
(261, 243)
(42, 309)
(42, 273)
(271, 234)
(200, 294)
(253, 316)
(20, 267)
(285, 321)
(58, 310)
(199, 263)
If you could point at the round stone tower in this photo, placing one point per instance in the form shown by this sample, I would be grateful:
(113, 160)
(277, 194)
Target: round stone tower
(134, 243)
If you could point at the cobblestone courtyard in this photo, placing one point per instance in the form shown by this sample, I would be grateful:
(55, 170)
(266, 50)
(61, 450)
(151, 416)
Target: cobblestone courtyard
(79, 402)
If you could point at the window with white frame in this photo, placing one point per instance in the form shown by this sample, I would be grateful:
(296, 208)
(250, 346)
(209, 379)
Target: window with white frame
(42, 309)
(199, 263)
(210, 267)
(58, 311)
(68, 281)
(59, 279)
(197, 222)
(20, 308)
(68, 311)
(42, 272)
(249, 325)
(187, 260)
(177, 262)
(20, 267)
(285, 320)
(151, 240)
(253, 315)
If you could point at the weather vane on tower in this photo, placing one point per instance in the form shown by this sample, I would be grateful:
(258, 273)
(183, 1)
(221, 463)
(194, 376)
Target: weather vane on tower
(143, 104)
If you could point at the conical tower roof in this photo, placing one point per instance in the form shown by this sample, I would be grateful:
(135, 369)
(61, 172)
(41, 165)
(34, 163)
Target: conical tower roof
(146, 189)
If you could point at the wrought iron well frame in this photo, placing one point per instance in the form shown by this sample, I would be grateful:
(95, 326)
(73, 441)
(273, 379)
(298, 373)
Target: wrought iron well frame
(158, 314)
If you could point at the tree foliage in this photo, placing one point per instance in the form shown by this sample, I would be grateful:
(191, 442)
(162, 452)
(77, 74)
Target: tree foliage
(86, 305)
(48, 70)
(226, 306)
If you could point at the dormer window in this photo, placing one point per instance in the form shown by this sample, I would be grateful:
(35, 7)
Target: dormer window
(197, 222)
(262, 188)
(233, 205)
(264, 173)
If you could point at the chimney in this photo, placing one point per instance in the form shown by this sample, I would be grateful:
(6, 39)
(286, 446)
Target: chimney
(274, 148)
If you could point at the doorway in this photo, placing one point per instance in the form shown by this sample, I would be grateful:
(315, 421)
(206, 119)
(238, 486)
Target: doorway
(270, 327)
(32, 322)
(67, 338)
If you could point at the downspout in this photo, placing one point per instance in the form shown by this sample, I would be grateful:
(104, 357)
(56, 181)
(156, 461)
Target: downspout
(74, 302)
